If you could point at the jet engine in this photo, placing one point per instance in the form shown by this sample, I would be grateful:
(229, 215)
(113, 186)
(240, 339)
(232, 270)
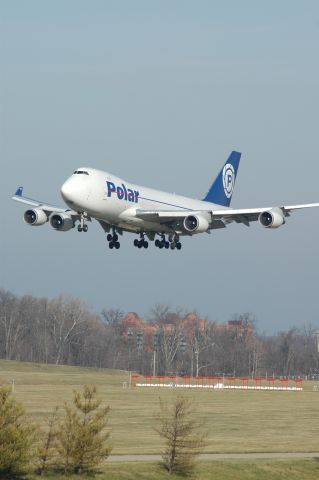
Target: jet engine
(274, 218)
(35, 217)
(195, 224)
(61, 222)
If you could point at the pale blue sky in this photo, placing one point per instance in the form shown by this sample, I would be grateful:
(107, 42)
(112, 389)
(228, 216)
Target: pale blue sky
(159, 92)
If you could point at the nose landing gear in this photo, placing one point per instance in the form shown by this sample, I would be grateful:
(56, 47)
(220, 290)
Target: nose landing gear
(83, 226)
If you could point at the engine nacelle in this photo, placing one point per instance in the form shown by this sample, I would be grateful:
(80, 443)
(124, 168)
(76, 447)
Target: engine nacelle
(61, 222)
(274, 218)
(35, 217)
(195, 224)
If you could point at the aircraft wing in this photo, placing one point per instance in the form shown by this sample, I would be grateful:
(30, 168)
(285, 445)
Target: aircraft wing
(47, 208)
(176, 217)
(247, 215)
(218, 218)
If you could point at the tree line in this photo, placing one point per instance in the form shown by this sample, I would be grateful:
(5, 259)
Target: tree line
(64, 330)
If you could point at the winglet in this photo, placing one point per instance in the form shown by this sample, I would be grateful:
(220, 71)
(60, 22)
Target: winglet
(19, 192)
(222, 189)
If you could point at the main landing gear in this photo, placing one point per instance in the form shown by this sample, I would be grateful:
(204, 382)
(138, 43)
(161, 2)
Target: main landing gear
(83, 226)
(112, 238)
(141, 243)
(162, 243)
(172, 242)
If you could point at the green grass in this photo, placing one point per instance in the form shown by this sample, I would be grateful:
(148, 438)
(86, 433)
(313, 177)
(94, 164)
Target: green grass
(307, 469)
(237, 421)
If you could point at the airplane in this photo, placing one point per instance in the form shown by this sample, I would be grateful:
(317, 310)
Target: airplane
(162, 218)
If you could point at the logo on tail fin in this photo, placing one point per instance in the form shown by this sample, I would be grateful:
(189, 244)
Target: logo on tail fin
(229, 178)
(221, 191)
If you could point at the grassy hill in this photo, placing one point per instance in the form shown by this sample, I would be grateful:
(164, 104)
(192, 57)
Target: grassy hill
(237, 421)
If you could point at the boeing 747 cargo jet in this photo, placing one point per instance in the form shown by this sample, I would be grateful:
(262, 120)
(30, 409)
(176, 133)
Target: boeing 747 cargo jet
(120, 206)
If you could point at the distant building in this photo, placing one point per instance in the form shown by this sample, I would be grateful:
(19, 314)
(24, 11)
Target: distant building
(189, 323)
(242, 328)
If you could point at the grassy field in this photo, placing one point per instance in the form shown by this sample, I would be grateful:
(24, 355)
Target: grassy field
(226, 470)
(237, 421)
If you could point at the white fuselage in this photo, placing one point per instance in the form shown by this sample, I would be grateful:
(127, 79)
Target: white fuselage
(115, 201)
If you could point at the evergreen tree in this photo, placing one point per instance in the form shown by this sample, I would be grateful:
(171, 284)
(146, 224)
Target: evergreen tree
(82, 435)
(184, 439)
(16, 435)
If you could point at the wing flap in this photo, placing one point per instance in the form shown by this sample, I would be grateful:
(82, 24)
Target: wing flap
(176, 217)
(164, 215)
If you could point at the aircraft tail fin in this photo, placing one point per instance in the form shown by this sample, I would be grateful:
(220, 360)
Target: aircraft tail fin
(222, 189)
(19, 192)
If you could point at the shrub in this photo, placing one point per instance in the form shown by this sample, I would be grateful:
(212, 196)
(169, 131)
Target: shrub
(82, 435)
(16, 435)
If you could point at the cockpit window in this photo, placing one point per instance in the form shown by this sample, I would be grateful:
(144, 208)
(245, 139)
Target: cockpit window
(80, 172)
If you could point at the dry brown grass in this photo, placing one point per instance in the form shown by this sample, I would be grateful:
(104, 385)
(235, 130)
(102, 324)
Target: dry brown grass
(237, 421)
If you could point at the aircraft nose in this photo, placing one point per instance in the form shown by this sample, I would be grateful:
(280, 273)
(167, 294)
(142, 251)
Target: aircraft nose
(75, 192)
(68, 190)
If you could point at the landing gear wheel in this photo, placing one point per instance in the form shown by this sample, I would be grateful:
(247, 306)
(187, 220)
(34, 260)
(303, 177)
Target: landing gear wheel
(172, 246)
(85, 228)
(135, 242)
(79, 228)
(178, 245)
(166, 244)
(112, 238)
(145, 244)
(157, 242)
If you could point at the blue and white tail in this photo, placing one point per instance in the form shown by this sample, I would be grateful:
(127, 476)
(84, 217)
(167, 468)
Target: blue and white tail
(222, 189)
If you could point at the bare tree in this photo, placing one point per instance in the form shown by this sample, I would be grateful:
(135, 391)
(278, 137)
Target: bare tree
(67, 322)
(64, 330)
(46, 449)
(168, 341)
(200, 341)
(11, 323)
(287, 350)
(162, 314)
(168, 324)
(158, 314)
(256, 351)
(112, 317)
